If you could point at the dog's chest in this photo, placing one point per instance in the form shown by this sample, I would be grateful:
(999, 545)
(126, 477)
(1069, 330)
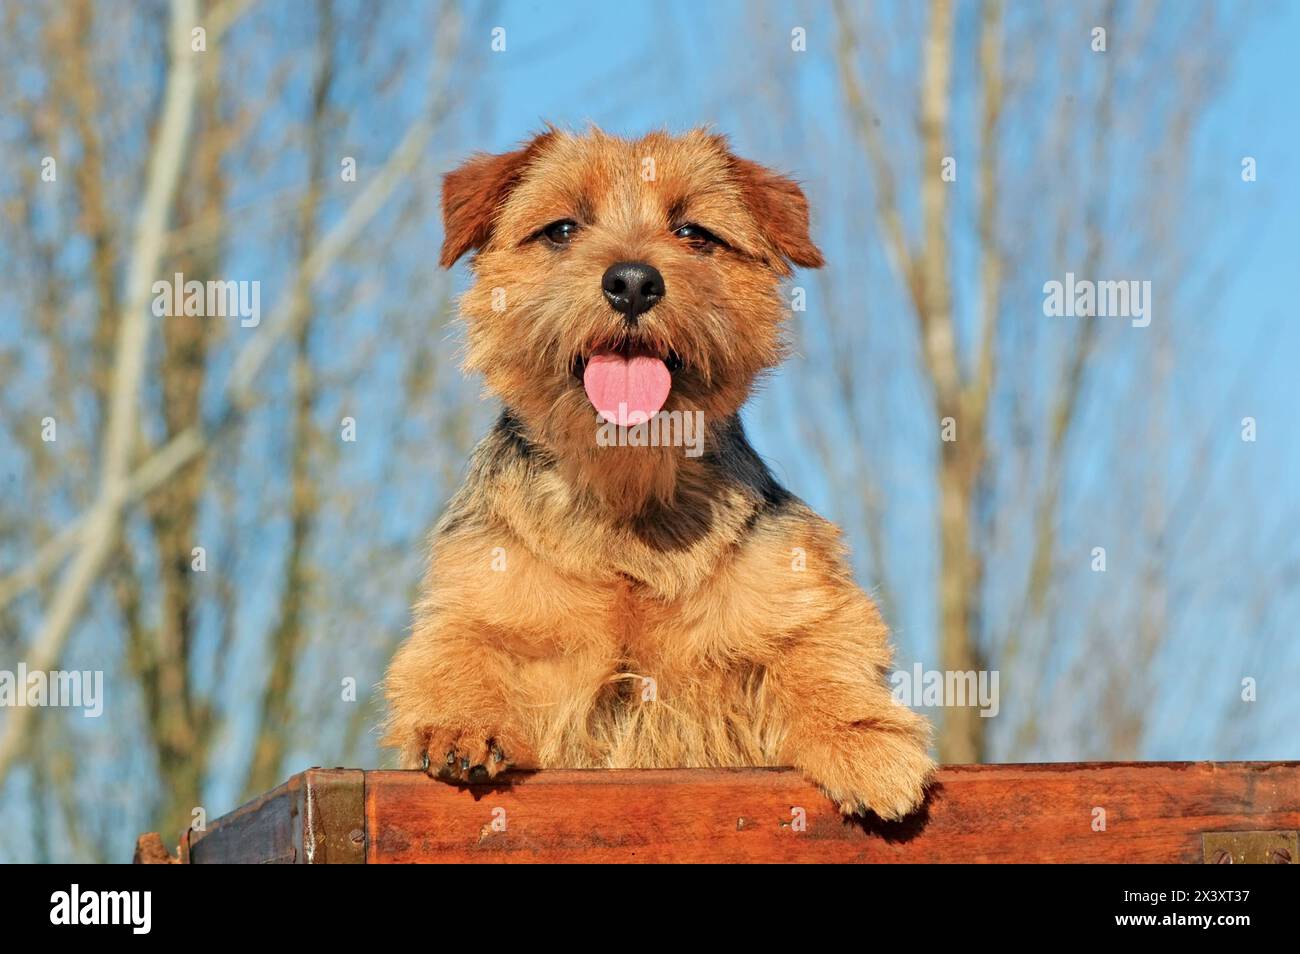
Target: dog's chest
(633, 623)
(650, 634)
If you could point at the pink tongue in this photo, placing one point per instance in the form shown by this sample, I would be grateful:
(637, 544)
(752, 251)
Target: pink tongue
(626, 391)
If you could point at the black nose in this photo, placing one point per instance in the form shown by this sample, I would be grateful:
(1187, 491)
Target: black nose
(632, 287)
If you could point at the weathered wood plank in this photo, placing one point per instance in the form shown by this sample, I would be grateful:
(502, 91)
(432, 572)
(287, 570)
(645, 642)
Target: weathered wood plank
(1153, 812)
(1100, 812)
(316, 817)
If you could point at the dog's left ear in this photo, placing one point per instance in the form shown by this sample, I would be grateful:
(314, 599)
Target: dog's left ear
(473, 194)
(781, 210)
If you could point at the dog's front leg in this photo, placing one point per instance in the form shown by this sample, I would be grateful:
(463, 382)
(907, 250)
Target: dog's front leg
(844, 729)
(450, 712)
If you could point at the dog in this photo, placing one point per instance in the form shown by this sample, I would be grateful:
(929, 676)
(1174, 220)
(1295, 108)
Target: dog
(622, 603)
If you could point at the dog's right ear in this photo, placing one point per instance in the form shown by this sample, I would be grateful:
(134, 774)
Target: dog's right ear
(781, 209)
(473, 194)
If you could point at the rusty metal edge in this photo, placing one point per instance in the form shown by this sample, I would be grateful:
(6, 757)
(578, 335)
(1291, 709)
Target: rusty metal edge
(332, 813)
(1276, 847)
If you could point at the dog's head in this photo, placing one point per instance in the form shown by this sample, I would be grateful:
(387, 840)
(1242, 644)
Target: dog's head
(622, 276)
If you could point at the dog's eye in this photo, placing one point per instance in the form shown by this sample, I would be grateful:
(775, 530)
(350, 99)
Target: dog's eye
(561, 232)
(698, 235)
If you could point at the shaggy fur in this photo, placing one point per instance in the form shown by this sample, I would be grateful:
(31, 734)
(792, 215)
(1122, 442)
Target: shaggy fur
(591, 606)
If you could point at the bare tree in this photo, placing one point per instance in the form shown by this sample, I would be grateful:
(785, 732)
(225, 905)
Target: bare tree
(182, 398)
(1007, 592)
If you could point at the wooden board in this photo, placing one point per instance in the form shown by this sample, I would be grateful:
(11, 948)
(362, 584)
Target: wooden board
(978, 813)
(1077, 812)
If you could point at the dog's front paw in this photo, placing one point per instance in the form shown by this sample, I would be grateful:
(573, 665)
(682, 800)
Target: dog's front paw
(866, 768)
(468, 755)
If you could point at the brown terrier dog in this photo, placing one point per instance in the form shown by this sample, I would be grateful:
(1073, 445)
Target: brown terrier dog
(595, 603)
